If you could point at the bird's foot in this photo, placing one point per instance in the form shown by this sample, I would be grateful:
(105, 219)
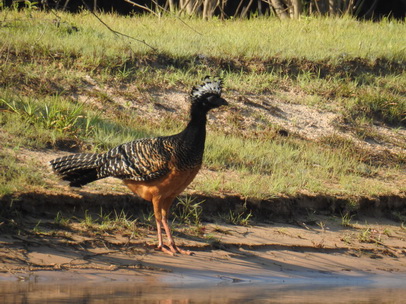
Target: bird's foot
(182, 251)
(166, 250)
(173, 250)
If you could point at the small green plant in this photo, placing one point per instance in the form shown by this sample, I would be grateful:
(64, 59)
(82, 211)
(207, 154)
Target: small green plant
(108, 222)
(188, 211)
(51, 116)
(148, 219)
(124, 221)
(346, 219)
(61, 220)
(347, 239)
(36, 228)
(88, 220)
(365, 236)
(239, 218)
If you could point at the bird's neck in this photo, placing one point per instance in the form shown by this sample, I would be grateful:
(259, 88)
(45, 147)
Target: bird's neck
(190, 147)
(195, 131)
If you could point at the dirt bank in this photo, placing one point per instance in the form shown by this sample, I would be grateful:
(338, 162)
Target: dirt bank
(65, 233)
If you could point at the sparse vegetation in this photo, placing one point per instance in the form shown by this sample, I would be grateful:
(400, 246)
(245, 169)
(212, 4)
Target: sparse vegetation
(241, 218)
(61, 220)
(111, 221)
(365, 235)
(14, 173)
(188, 211)
(346, 220)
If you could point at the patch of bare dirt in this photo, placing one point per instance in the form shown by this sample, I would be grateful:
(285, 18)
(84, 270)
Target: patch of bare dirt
(250, 114)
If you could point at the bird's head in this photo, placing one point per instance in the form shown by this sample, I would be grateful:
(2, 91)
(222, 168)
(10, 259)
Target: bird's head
(208, 94)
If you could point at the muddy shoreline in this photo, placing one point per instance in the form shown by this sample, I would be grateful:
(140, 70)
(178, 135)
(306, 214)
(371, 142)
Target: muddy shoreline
(302, 243)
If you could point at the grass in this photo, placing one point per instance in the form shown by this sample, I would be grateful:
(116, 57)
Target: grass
(15, 174)
(312, 38)
(347, 65)
(43, 123)
(346, 220)
(352, 67)
(107, 222)
(188, 211)
(242, 218)
(61, 220)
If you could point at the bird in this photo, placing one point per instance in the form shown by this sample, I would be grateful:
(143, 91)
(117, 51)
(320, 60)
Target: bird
(156, 169)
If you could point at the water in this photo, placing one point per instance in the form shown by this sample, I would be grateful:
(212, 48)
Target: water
(61, 287)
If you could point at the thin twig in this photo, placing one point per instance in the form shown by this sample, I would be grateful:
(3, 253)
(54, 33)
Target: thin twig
(142, 6)
(116, 32)
(156, 3)
(164, 9)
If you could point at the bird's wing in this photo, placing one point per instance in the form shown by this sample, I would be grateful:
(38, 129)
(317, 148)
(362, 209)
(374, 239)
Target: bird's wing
(140, 160)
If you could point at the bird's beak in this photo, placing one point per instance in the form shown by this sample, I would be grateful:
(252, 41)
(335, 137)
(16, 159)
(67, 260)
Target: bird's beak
(221, 102)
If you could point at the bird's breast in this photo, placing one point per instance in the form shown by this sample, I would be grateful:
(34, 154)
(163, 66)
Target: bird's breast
(168, 186)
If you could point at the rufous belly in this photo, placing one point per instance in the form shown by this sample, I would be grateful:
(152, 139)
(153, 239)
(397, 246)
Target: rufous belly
(168, 186)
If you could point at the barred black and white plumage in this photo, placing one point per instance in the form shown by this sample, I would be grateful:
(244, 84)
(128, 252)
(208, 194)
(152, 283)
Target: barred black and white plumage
(157, 169)
(140, 160)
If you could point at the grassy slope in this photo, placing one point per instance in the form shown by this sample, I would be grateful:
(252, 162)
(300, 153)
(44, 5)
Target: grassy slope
(358, 70)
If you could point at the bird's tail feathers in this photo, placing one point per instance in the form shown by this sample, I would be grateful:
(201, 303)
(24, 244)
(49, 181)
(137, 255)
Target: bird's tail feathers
(77, 169)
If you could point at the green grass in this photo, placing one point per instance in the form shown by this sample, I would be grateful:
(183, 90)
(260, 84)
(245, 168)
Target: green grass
(44, 123)
(188, 211)
(313, 38)
(356, 68)
(16, 175)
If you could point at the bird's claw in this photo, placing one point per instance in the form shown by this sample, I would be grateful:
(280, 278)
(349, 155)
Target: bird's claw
(173, 250)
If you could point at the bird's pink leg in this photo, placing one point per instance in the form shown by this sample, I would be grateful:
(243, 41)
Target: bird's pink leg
(171, 245)
(161, 209)
(161, 246)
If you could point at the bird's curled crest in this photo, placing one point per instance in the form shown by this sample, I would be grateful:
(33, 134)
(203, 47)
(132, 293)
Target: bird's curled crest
(210, 86)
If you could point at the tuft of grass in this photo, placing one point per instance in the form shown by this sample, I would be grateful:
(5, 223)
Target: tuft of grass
(346, 220)
(112, 221)
(377, 106)
(15, 175)
(37, 228)
(88, 220)
(50, 115)
(365, 236)
(322, 226)
(239, 218)
(61, 220)
(188, 211)
(124, 221)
